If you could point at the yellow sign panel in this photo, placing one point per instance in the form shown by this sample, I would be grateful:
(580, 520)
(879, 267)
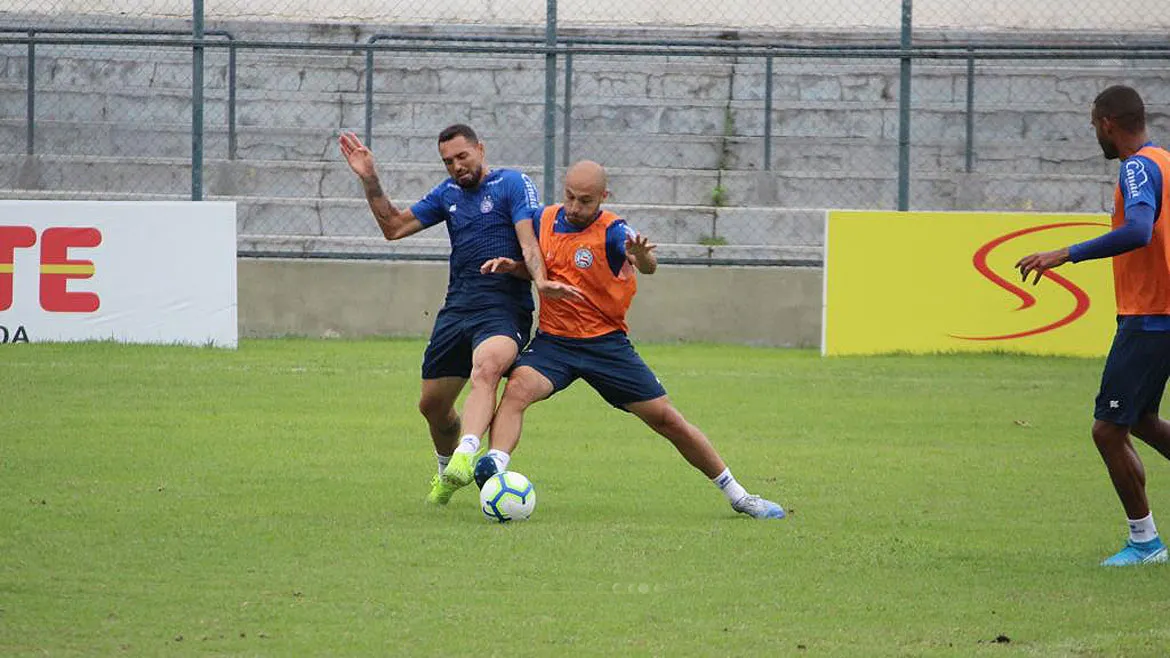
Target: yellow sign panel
(945, 282)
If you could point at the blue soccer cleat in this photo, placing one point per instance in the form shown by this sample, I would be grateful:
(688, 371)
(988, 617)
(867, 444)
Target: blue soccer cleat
(1146, 552)
(485, 468)
(758, 508)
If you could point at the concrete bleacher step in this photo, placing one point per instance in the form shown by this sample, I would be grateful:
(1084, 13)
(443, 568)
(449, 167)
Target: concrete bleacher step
(350, 217)
(612, 76)
(660, 186)
(405, 112)
(330, 71)
(279, 143)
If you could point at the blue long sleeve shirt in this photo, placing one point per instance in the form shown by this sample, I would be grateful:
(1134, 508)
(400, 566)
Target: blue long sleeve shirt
(1141, 186)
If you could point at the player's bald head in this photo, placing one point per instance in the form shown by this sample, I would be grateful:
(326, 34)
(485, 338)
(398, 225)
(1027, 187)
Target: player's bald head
(587, 176)
(585, 190)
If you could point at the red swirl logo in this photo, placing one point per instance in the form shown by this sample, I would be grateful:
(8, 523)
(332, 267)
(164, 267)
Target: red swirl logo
(1026, 298)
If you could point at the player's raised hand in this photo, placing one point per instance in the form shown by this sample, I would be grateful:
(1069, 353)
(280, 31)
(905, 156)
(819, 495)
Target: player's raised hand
(639, 245)
(499, 265)
(558, 290)
(1040, 262)
(360, 159)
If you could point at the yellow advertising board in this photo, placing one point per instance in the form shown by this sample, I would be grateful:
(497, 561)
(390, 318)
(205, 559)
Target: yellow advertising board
(925, 282)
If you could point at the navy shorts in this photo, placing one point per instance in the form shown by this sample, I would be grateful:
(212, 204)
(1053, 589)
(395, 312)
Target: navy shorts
(1135, 374)
(607, 363)
(458, 332)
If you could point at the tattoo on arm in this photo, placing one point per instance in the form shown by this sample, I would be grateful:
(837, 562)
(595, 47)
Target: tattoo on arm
(373, 187)
(388, 217)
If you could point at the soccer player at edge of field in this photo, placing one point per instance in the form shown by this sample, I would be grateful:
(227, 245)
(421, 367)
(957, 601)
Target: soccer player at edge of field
(595, 252)
(1138, 364)
(484, 320)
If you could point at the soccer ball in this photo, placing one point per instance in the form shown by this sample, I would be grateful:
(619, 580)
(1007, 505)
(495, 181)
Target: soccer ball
(507, 496)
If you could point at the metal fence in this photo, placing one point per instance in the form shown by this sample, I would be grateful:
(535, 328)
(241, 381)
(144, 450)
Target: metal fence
(725, 140)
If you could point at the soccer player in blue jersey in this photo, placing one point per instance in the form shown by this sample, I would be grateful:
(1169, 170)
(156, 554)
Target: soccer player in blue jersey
(485, 320)
(1138, 364)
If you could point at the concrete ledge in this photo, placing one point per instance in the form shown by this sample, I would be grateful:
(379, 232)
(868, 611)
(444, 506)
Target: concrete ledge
(433, 249)
(771, 306)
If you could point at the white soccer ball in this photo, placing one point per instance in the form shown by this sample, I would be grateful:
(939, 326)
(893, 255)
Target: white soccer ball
(507, 496)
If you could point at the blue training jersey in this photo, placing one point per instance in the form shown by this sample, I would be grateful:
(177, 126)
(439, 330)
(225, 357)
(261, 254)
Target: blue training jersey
(615, 237)
(481, 225)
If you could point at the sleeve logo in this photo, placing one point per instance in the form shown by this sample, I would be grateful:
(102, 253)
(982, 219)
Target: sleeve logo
(530, 192)
(1136, 177)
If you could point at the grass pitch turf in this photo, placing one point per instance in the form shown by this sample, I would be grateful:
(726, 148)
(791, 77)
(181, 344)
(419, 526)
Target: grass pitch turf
(269, 501)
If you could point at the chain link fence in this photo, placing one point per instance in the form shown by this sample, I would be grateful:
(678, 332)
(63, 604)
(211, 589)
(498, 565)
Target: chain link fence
(727, 129)
(73, 117)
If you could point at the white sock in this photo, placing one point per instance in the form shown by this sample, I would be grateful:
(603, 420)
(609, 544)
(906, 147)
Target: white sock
(443, 461)
(1142, 530)
(469, 444)
(501, 459)
(727, 484)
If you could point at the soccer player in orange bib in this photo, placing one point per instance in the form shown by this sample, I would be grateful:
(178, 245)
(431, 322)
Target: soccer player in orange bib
(596, 253)
(1138, 364)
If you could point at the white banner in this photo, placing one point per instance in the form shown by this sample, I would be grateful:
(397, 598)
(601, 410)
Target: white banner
(137, 272)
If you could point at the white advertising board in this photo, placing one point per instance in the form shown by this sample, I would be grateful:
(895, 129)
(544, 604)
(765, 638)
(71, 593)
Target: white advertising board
(136, 272)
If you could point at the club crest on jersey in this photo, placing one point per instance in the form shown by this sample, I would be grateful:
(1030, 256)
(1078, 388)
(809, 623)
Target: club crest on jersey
(583, 258)
(486, 205)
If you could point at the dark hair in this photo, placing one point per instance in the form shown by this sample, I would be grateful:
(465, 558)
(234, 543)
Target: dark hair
(458, 130)
(1123, 105)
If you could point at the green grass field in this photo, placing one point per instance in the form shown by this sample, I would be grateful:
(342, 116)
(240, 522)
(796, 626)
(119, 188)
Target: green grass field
(269, 501)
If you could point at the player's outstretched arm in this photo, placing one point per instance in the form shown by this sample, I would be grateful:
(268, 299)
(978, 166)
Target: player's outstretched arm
(395, 223)
(534, 265)
(530, 247)
(640, 251)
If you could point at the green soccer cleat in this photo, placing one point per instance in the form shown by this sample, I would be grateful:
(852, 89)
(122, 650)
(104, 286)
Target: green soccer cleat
(460, 470)
(441, 491)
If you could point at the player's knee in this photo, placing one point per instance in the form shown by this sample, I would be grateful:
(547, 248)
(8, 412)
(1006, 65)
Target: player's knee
(660, 422)
(488, 369)
(491, 360)
(435, 409)
(676, 424)
(519, 393)
(663, 419)
(1108, 436)
(487, 375)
